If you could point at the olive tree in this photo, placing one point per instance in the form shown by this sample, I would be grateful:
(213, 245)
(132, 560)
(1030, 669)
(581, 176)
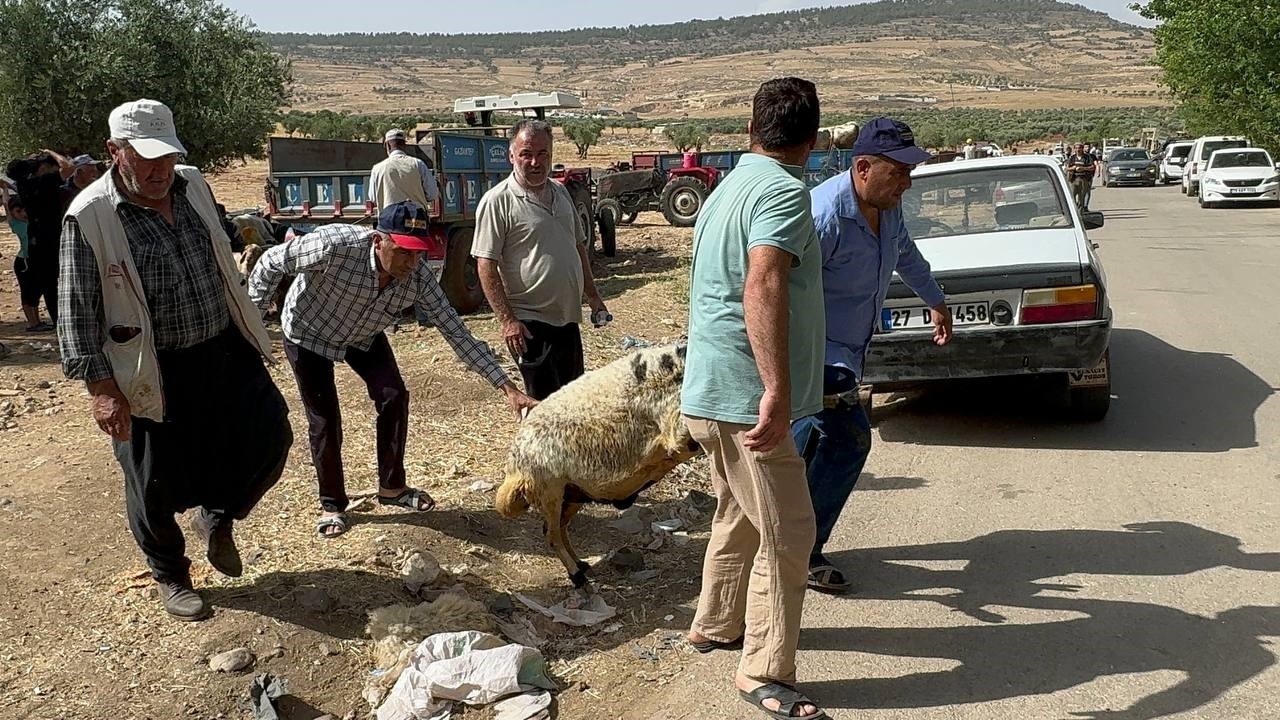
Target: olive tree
(67, 63)
(583, 134)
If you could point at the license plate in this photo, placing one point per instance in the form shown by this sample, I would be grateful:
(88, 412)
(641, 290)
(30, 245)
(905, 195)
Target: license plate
(1133, 174)
(1097, 376)
(974, 313)
(1242, 191)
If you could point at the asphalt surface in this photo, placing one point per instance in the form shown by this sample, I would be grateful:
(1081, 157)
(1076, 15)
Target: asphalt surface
(1011, 564)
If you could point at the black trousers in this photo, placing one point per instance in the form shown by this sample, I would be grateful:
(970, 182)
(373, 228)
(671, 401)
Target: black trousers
(377, 367)
(42, 268)
(552, 358)
(221, 447)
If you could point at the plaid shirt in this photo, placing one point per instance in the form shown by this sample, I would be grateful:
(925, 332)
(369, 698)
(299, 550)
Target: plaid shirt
(335, 303)
(184, 291)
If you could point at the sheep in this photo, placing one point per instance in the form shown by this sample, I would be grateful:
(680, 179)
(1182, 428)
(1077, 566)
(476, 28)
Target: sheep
(604, 437)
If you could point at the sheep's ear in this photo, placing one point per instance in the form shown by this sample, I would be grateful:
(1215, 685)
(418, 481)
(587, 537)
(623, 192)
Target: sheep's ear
(638, 368)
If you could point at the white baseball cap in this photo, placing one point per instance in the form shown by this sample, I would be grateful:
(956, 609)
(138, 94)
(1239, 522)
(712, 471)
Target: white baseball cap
(148, 126)
(393, 134)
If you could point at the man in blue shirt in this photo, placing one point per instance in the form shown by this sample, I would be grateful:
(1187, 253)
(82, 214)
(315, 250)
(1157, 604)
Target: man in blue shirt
(864, 240)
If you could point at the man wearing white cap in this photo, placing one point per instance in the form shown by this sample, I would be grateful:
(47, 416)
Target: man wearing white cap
(156, 321)
(86, 170)
(401, 176)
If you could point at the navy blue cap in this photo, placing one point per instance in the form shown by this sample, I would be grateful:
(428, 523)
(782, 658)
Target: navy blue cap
(891, 138)
(407, 223)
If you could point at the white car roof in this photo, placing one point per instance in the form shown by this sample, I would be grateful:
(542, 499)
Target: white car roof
(986, 163)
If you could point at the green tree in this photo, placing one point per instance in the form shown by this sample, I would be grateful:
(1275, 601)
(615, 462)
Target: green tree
(583, 133)
(68, 63)
(687, 136)
(1220, 59)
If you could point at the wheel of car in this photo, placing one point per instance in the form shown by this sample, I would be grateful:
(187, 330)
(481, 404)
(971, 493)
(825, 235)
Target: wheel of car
(460, 279)
(1090, 404)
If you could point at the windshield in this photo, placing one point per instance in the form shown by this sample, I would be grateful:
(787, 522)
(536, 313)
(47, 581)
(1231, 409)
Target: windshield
(1241, 158)
(1179, 151)
(1123, 155)
(1210, 147)
(983, 201)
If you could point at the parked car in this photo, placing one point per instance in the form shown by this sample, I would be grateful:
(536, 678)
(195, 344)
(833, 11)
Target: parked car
(1199, 155)
(1129, 166)
(1025, 287)
(1239, 175)
(1174, 160)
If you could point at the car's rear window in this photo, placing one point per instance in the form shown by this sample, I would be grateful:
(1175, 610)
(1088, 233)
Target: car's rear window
(1179, 151)
(1210, 147)
(984, 200)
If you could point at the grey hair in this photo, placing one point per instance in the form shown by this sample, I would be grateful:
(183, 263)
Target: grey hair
(531, 125)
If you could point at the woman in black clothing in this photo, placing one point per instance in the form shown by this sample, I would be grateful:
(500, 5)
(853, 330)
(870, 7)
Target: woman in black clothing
(39, 179)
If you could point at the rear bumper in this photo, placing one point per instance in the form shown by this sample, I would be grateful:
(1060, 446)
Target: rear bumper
(912, 356)
(1173, 172)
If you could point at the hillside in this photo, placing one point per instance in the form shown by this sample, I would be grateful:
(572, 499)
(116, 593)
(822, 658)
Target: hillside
(984, 53)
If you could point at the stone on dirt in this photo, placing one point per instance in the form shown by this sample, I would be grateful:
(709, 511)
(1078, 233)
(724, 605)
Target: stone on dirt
(230, 661)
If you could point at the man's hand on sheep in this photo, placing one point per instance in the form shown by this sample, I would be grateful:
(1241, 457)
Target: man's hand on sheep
(519, 402)
(514, 333)
(774, 424)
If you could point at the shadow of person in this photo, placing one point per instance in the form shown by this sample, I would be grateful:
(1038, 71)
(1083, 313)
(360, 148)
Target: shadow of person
(1164, 399)
(1006, 661)
(1006, 567)
(292, 597)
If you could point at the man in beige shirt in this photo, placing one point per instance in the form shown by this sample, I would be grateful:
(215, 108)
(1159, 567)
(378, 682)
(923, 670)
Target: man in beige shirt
(532, 259)
(401, 176)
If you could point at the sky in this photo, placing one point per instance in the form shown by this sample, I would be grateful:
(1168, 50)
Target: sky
(332, 16)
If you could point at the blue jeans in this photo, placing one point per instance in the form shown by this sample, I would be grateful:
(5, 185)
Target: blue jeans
(835, 444)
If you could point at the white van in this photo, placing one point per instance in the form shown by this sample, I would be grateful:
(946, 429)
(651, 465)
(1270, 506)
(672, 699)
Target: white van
(1174, 161)
(1199, 157)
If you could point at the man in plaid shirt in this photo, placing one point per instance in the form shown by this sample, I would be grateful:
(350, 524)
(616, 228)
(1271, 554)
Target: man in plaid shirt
(351, 284)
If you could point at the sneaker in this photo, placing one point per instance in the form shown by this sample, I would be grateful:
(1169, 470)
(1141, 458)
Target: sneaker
(222, 554)
(182, 601)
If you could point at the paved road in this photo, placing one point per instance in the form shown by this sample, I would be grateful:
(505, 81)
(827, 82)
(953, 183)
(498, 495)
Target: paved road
(1012, 566)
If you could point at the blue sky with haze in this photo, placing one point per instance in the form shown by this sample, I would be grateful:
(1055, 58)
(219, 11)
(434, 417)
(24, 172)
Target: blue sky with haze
(332, 16)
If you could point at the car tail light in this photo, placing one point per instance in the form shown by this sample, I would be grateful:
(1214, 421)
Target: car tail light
(1061, 304)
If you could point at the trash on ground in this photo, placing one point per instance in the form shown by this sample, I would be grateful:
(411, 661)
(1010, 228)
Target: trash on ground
(470, 667)
(397, 629)
(263, 691)
(575, 610)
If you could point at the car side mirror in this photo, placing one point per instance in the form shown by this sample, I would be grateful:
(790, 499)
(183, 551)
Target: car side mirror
(1092, 219)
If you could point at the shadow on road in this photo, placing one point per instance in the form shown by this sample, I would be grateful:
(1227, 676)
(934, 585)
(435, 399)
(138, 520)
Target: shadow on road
(1164, 399)
(1000, 660)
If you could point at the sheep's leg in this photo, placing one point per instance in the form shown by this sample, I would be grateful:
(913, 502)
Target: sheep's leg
(571, 509)
(553, 513)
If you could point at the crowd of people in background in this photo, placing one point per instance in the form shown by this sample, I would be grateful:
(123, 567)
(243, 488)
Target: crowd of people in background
(35, 192)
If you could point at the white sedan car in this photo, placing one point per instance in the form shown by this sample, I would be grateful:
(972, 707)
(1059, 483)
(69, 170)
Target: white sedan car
(1024, 285)
(1238, 175)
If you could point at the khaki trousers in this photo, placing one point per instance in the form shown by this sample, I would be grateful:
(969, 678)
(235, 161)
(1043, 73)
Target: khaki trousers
(757, 564)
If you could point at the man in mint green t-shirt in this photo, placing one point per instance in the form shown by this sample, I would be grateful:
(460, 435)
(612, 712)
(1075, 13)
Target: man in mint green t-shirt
(754, 364)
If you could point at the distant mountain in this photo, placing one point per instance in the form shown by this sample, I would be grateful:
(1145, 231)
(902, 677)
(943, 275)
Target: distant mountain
(895, 53)
(981, 20)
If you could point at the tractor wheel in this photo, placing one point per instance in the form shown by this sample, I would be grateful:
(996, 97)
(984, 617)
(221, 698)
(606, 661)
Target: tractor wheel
(611, 207)
(608, 232)
(588, 226)
(630, 217)
(460, 279)
(682, 200)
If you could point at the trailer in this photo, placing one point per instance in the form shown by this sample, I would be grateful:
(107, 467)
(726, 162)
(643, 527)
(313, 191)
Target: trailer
(317, 182)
